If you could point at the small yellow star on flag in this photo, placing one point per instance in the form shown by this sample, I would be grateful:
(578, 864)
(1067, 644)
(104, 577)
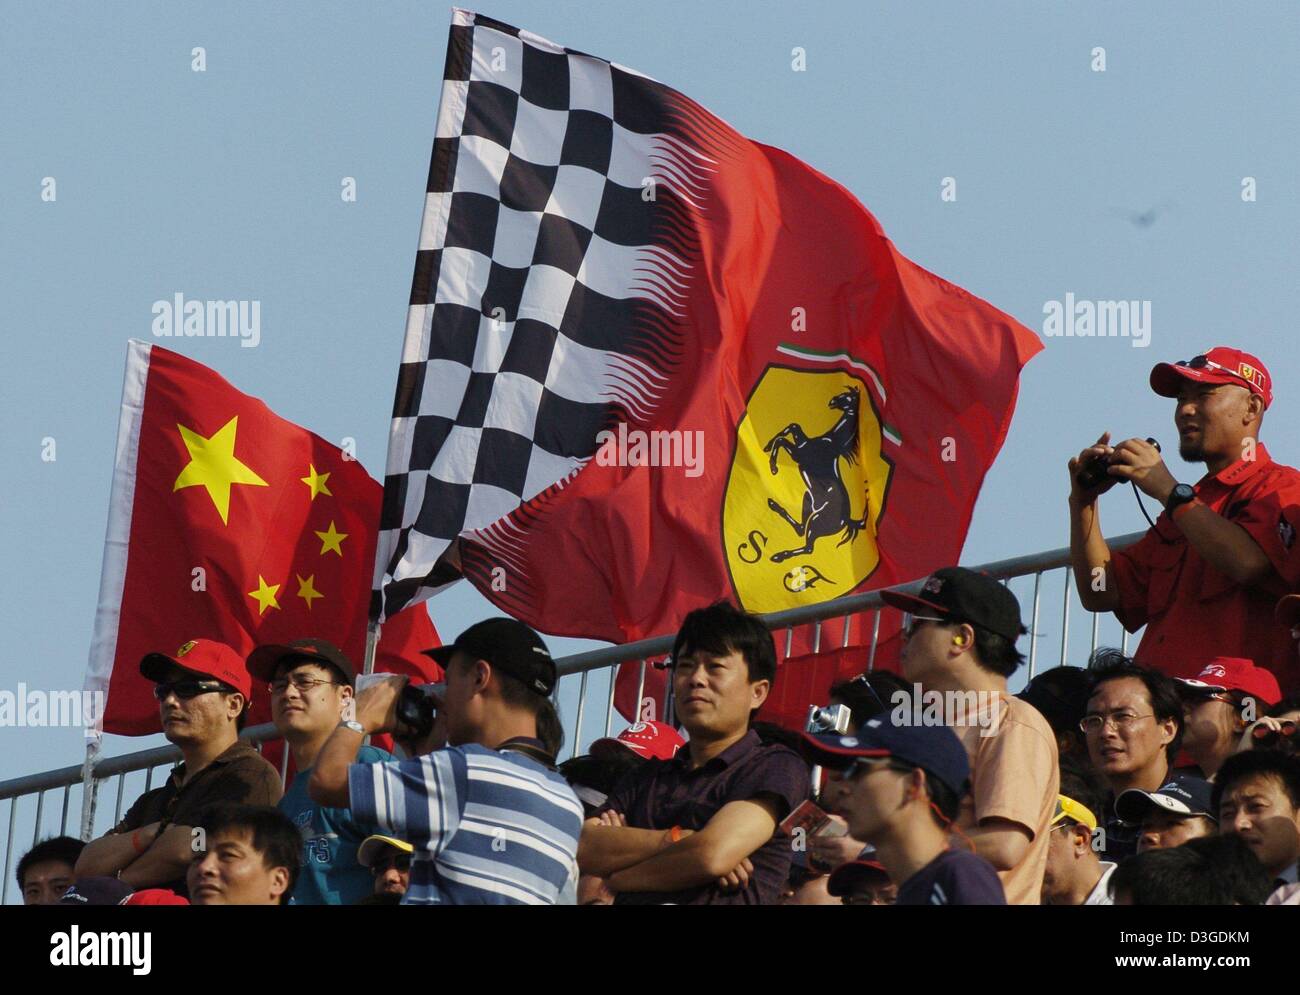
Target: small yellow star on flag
(331, 540)
(213, 466)
(307, 590)
(316, 481)
(265, 595)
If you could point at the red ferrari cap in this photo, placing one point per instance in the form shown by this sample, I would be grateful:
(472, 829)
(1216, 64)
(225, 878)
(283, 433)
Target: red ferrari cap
(206, 657)
(651, 740)
(1232, 673)
(1219, 365)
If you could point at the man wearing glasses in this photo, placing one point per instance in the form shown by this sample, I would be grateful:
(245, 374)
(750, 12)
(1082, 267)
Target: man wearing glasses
(389, 861)
(311, 684)
(203, 694)
(1206, 576)
(1134, 726)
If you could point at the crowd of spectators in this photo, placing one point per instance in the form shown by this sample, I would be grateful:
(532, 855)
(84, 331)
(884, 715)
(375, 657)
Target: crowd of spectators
(1171, 777)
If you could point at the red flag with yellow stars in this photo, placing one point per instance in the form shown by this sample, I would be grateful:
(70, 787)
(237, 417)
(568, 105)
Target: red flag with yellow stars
(228, 522)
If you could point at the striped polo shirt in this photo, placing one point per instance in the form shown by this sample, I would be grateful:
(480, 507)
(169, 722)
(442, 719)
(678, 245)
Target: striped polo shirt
(489, 827)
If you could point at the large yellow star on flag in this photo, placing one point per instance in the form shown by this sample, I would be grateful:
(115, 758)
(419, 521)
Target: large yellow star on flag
(213, 465)
(265, 595)
(307, 589)
(331, 540)
(316, 481)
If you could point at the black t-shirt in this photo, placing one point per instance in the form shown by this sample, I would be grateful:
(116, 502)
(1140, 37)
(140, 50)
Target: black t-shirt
(955, 877)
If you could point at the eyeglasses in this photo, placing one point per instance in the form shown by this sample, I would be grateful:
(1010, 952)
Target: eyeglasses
(185, 690)
(912, 626)
(867, 765)
(299, 681)
(1123, 721)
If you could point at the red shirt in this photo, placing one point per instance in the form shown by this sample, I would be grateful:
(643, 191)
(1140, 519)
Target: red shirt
(1193, 612)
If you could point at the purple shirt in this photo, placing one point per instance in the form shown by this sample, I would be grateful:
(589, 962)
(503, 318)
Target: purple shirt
(666, 793)
(955, 877)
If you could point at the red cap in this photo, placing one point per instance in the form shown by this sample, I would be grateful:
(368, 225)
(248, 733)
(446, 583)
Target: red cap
(1220, 365)
(1233, 673)
(206, 657)
(156, 896)
(846, 877)
(651, 740)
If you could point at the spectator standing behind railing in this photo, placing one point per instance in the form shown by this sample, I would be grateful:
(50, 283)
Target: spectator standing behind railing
(1205, 578)
(1218, 704)
(203, 694)
(1133, 724)
(250, 857)
(700, 829)
(1257, 797)
(905, 787)
(47, 870)
(311, 686)
(961, 645)
(1075, 874)
(490, 820)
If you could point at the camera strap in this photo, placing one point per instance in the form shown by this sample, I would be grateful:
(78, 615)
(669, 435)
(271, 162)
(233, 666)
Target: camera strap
(531, 748)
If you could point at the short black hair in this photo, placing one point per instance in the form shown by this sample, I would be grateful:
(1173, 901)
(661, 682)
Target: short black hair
(1209, 870)
(722, 628)
(868, 695)
(996, 652)
(514, 692)
(64, 848)
(1112, 665)
(1284, 767)
(550, 730)
(947, 801)
(273, 834)
(1061, 696)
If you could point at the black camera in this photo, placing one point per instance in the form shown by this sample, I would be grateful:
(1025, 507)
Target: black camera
(416, 707)
(1093, 473)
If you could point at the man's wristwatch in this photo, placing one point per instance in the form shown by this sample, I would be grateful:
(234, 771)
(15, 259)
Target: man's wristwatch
(354, 725)
(1179, 496)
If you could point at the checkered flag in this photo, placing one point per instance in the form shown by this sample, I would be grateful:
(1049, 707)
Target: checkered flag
(556, 253)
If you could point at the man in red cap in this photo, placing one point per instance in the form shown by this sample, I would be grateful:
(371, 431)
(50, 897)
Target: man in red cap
(203, 694)
(1218, 704)
(1206, 576)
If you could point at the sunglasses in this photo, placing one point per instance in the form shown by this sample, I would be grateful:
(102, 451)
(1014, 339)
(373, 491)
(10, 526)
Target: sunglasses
(914, 624)
(1204, 362)
(185, 690)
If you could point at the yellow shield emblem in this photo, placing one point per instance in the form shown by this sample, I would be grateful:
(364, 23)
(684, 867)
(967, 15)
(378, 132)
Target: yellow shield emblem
(186, 648)
(806, 490)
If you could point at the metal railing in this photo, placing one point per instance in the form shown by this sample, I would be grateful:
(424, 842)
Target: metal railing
(1039, 568)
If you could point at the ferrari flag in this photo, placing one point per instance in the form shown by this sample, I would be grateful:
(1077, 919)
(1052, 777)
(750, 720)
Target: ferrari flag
(650, 363)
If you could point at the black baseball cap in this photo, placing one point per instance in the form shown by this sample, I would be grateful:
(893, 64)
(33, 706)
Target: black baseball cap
(508, 644)
(264, 660)
(956, 594)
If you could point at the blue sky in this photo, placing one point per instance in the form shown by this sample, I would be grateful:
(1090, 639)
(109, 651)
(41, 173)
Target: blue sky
(225, 184)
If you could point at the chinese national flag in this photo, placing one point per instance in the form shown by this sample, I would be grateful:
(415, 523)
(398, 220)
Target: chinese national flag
(228, 522)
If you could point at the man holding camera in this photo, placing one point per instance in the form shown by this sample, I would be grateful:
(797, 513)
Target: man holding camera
(489, 819)
(1206, 576)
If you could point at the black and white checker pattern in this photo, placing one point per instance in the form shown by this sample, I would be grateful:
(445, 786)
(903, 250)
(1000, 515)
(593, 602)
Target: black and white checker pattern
(532, 283)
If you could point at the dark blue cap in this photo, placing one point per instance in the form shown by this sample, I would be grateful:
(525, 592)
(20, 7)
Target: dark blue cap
(97, 891)
(1184, 794)
(935, 749)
